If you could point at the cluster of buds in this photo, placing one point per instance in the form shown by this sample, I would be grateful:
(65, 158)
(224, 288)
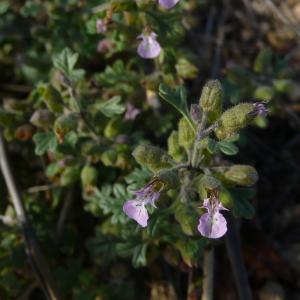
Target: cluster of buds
(199, 176)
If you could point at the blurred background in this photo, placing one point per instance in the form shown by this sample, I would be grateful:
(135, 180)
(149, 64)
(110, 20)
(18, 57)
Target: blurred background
(93, 251)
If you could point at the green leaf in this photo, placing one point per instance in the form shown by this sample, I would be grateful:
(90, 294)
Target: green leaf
(65, 62)
(109, 199)
(139, 256)
(212, 146)
(177, 98)
(44, 141)
(228, 148)
(111, 107)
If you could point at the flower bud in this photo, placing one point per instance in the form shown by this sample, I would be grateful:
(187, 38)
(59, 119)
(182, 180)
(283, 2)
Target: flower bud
(70, 175)
(241, 175)
(173, 146)
(186, 135)
(206, 183)
(65, 124)
(152, 157)
(195, 113)
(235, 119)
(88, 176)
(186, 69)
(211, 96)
(42, 118)
(52, 99)
(169, 178)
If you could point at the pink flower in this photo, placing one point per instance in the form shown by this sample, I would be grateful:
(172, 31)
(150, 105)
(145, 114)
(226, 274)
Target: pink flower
(212, 224)
(101, 26)
(135, 209)
(168, 3)
(131, 112)
(148, 47)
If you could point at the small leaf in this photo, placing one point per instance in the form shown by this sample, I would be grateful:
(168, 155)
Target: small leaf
(44, 141)
(228, 148)
(139, 256)
(111, 107)
(65, 61)
(177, 98)
(212, 146)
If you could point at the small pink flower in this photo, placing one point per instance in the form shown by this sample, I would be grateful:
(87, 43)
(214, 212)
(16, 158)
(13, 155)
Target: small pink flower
(131, 112)
(101, 26)
(168, 3)
(148, 47)
(212, 224)
(135, 209)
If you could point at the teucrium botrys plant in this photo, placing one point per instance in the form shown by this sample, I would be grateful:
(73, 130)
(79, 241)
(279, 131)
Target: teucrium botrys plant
(190, 167)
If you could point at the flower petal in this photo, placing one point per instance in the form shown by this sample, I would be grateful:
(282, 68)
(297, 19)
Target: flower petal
(212, 225)
(167, 3)
(149, 48)
(136, 210)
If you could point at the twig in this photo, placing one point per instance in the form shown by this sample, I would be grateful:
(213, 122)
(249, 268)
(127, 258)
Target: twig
(41, 188)
(234, 253)
(208, 274)
(35, 256)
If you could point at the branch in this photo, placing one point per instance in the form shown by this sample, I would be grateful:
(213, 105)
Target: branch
(33, 251)
(234, 253)
(208, 274)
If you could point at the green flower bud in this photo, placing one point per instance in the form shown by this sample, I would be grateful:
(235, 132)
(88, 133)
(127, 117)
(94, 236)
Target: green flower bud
(65, 124)
(152, 157)
(70, 175)
(235, 119)
(52, 99)
(109, 157)
(186, 69)
(88, 176)
(241, 175)
(264, 93)
(205, 184)
(186, 135)
(42, 118)
(173, 146)
(211, 96)
(169, 178)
